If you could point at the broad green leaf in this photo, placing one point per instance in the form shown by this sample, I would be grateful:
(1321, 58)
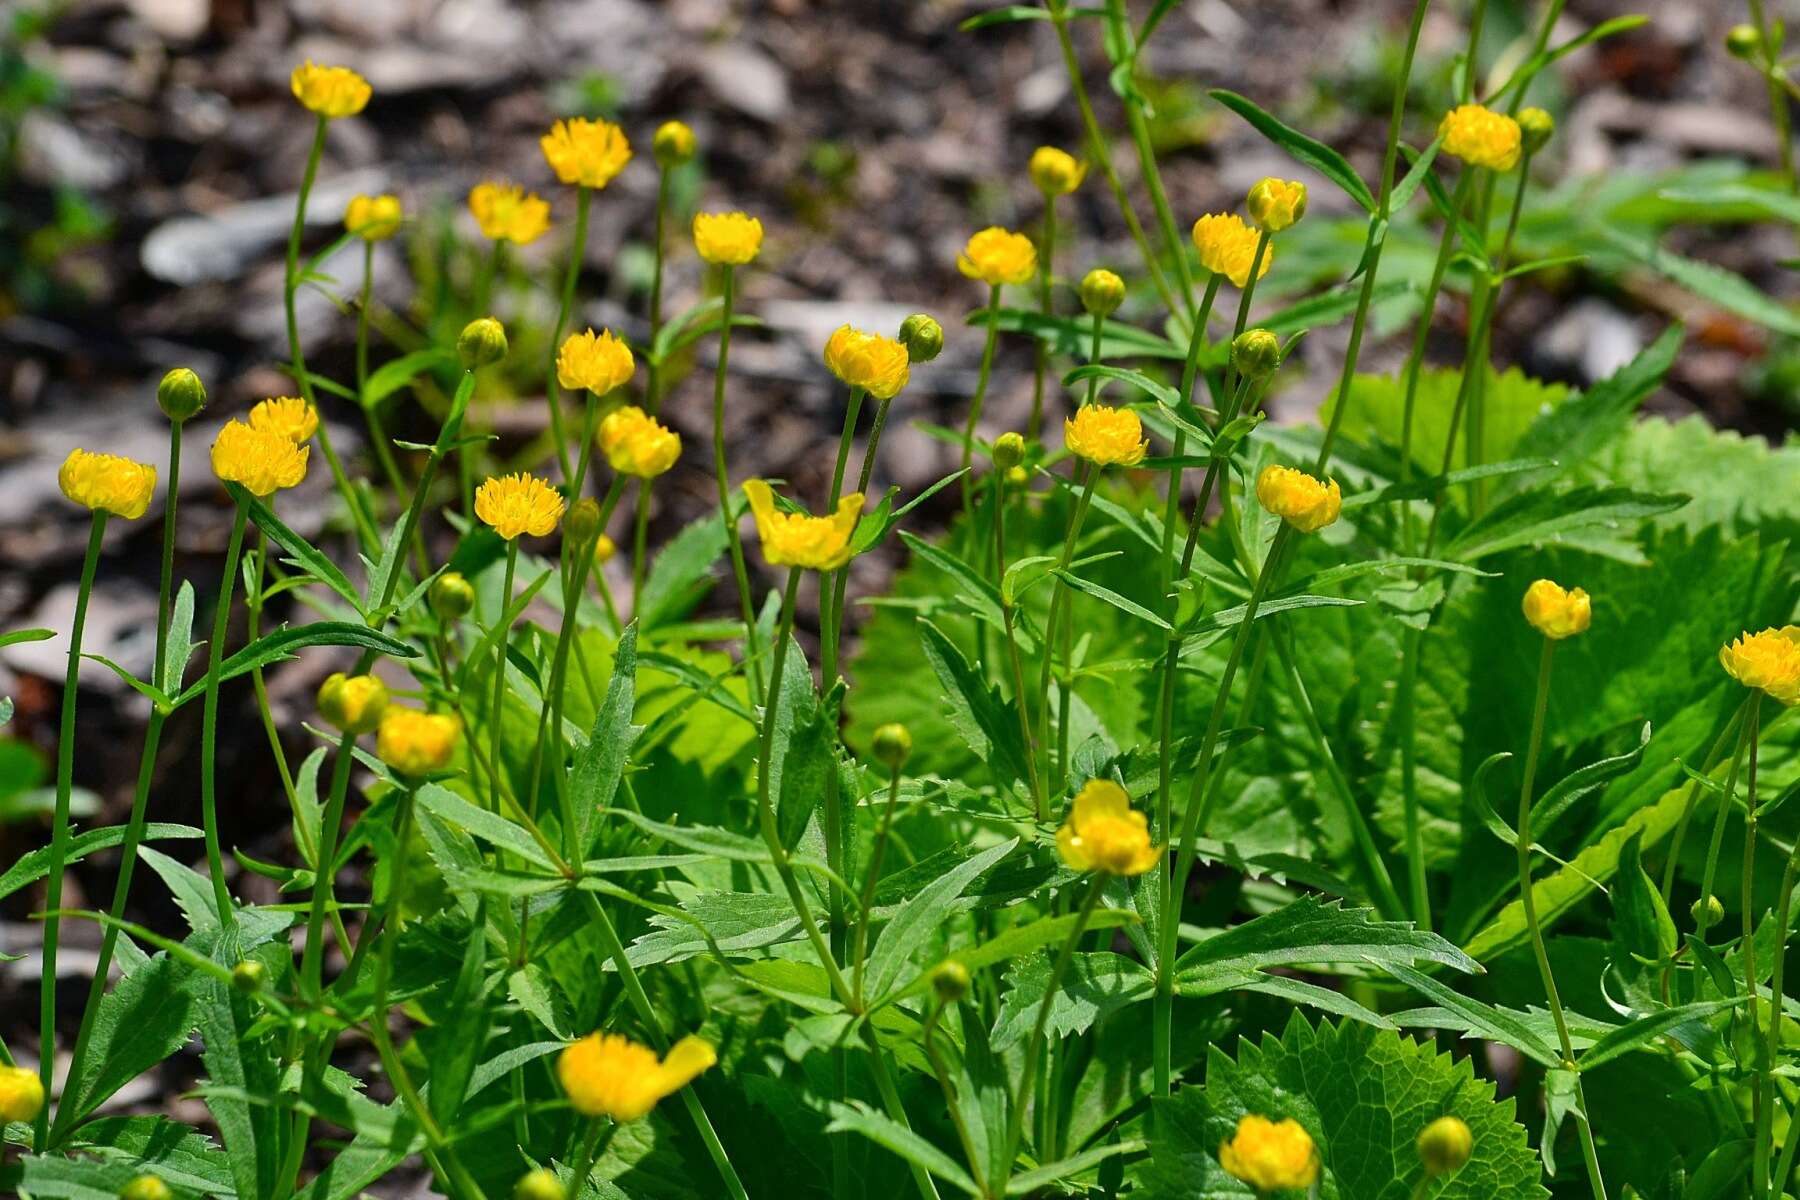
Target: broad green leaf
(1311, 931)
(1587, 518)
(1095, 986)
(1646, 1029)
(987, 723)
(146, 1017)
(1483, 1019)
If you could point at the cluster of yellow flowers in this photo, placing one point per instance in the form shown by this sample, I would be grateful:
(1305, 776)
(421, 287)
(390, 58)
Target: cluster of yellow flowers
(608, 1075)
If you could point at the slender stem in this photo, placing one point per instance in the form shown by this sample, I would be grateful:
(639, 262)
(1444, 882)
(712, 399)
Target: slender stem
(896, 1109)
(1745, 733)
(384, 454)
(952, 1103)
(209, 723)
(876, 853)
(1760, 1100)
(746, 602)
(1415, 358)
(1765, 1126)
(640, 539)
(1773, 73)
(1058, 592)
(653, 379)
(1041, 363)
(253, 606)
(325, 869)
(584, 1159)
(1040, 804)
(549, 745)
(1714, 754)
(496, 710)
(832, 632)
(552, 395)
(1406, 712)
(975, 401)
(165, 589)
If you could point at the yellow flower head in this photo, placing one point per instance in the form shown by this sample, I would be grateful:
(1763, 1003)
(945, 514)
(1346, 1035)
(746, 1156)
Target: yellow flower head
(262, 461)
(1104, 833)
(107, 483)
(1307, 504)
(727, 239)
(1228, 246)
(373, 218)
(1106, 436)
(417, 743)
(1275, 204)
(290, 416)
(1056, 172)
(636, 443)
(598, 362)
(1769, 660)
(611, 1076)
(586, 152)
(517, 504)
(996, 256)
(1481, 137)
(1271, 1156)
(798, 540)
(507, 212)
(329, 91)
(673, 144)
(1554, 612)
(21, 1095)
(352, 703)
(879, 365)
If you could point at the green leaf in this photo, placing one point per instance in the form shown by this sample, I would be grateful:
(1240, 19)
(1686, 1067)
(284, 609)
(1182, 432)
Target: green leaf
(303, 552)
(921, 918)
(857, 1117)
(600, 765)
(1727, 289)
(1492, 1023)
(397, 373)
(33, 865)
(455, 1044)
(1641, 917)
(1311, 931)
(987, 723)
(806, 737)
(1579, 518)
(1577, 428)
(144, 1019)
(1074, 336)
(1303, 149)
(1161, 392)
(1130, 607)
(681, 573)
(1641, 1032)
(282, 643)
(490, 827)
(1095, 986)
(180, 645)
(180, 1157)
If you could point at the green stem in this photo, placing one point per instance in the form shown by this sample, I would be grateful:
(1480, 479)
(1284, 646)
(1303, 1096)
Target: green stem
(746, 602)
(1058, 591)
(952, 1103)
(832, 633)
(981, 387)
(1714, 754)
(653, 378)
(896, 1109)
(876, 853)
(640, 539)
(1041, 363)
(1406, 711)
(384, 453)
(549, 744)
(253, 606)
(324, 870)
(1760, 1101)
(1765, 1127)
(1778, 105)
(1745, 733)
(209, 722)
(1040, 804)
(496, 711)
(552, 395)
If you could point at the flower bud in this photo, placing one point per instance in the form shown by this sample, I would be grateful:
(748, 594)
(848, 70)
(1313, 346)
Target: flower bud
(248, 976)
(1017, 477)
(353, 705)
(1255, 353)
(21, 1094)
(1535, 128)
(582, 526)
(923, 338)
(1056, 172)
(452, 596)
(672, 145)
(892, 745)
(1276, 204)
(181, 395)
(605, 549)
(1009, 451)
(950, 980)
(1743, 41)
(1445, 1145)
(1102, 292)
(482, 342)
(1707, 912)
(542, 1183)
(146, 1187)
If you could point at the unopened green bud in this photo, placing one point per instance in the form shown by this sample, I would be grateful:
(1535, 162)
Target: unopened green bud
(1102, 292)
(1256, 353)
(582, 526)
(892, 744)
(540, 1184)
(672, 145)
(1445, 1146)
(923, 337)
(452, 596)
(1535, 128)
(1743, 41)
(950, 980)
(1017, 477)
(248, 976)
(1707, 912)
(181, 395)
(481, 343)
(1009, 451)
(352, 704)
(146, 1187)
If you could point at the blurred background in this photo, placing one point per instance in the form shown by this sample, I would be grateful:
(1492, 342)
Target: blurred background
(149, 153)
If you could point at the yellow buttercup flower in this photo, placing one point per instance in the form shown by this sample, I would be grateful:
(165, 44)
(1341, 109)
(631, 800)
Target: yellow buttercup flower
(107, 483)
(262, 461)
(329, 91)
(1555, 612)
(997, 256)
(290, 416)
(799, 540)
(1056, 172)
(417, 743)
(636, 443)
(607, 1075)
(1104, 833)
(1106, 436)
(1228, 246)
(21, 1095)
(586, 152)
(1481, 137)
(1275, 204)
(373, 218)
(1271, 1156)
(507, 212)
(518, 504)
(1307, 504)
(727, 239)
(879, 365)
(1769, 660)
(596, 362)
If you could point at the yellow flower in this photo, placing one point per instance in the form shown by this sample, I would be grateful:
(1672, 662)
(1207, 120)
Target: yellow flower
(1556, 613)
(1056, 172)
(1228, 246)
(516, 504)
(373, 218)
(598, 362)
(877, 364)
(107, 483)
(1104, 833)
(507, 212)
(329, 91)
(1769, 660)
(261, 460)
(1481, 137)
(21, 1095)
(1271, 1156)
(611, 1076)
(586, 152)
(799, 540)
(417, 743)
(290, 416)
(1275, 204)
(1307, 504)
(636, 443)
(673, 144)
(997, 256)
(727, 239)
(1106, 436)
(352, 704)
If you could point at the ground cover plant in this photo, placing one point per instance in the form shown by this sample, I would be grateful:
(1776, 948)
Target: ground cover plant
(1392, 806)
